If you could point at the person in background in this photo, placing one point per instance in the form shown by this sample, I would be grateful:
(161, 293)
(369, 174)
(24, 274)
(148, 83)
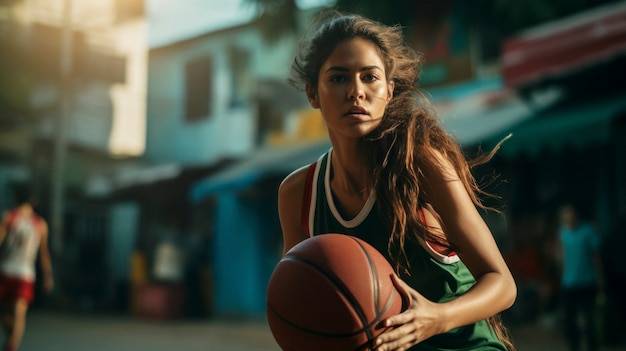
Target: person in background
(581, 278)
(23, 234)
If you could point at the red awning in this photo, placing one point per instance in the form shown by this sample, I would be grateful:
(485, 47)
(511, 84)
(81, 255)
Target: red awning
(558, 48)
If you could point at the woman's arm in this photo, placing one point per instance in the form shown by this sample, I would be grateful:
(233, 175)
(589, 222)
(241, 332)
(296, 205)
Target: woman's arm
(495, 288)
(290, 194)
(463, 226)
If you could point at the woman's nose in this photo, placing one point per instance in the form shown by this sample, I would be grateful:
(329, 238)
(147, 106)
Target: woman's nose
(356, 91)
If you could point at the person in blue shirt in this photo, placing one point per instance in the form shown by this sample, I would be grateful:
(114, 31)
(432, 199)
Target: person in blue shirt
(581, 278)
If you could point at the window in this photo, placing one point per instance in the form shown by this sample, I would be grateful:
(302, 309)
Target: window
(240, 78)
(198, 89)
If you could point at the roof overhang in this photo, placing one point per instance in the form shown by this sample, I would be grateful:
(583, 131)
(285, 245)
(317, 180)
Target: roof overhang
(574, 125)
(559, 48)
(266, 162)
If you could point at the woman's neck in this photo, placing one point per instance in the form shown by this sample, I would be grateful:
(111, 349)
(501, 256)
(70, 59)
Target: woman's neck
(350, 168)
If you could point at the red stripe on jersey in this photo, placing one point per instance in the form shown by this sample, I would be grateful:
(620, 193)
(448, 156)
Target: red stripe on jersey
(306, 199)
(440, 249)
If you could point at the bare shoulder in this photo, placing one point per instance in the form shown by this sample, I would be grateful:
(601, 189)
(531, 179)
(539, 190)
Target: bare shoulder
(39, 223)
(290, 196)
(292, 187)
(439, 165)
(43, 225)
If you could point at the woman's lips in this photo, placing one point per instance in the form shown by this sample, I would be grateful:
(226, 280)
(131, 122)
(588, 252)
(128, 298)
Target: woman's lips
(357, 110)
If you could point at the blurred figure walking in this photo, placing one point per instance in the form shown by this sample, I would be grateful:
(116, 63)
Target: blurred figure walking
(23, 233)
(581, 279)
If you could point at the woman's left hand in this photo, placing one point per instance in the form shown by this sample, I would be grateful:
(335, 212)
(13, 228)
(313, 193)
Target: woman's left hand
(421, 320)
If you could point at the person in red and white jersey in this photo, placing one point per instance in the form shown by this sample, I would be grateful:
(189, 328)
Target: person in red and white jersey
(23, 234)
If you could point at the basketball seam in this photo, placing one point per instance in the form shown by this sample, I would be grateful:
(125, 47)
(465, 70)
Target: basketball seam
(342, 289)
(374, 273)
(312, 331)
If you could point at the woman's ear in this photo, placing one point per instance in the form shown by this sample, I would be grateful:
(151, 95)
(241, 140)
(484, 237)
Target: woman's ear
(311, 94)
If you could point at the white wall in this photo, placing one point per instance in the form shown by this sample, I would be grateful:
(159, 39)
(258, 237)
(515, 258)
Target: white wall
(228, 131)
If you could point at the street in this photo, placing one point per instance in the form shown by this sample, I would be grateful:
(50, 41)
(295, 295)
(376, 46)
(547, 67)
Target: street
(64, 332)
(47, 331)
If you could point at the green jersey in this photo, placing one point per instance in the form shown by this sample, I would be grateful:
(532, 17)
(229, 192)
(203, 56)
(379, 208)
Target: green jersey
(438, 276)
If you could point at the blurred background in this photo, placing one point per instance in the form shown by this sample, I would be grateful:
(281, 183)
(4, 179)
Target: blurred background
(156, 132)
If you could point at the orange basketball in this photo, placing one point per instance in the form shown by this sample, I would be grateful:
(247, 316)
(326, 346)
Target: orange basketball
(331, 292)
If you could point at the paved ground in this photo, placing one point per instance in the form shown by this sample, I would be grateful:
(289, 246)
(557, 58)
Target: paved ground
(54, 332)
(48, 331)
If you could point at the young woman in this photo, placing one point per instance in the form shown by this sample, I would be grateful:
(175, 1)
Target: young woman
(396, 179)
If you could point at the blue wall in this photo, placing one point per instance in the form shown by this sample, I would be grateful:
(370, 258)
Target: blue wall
(246, 248)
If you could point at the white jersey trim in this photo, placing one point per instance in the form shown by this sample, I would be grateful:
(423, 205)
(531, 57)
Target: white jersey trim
(436, 255)
(360, 217)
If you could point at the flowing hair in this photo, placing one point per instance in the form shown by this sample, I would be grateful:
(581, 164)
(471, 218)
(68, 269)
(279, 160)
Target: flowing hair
(405, 138)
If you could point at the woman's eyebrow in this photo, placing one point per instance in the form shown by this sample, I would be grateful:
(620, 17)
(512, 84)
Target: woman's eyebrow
(344, 69)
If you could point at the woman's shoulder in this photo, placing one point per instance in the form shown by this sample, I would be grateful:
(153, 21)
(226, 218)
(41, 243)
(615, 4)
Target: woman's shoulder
(294, 182)
(291, 190)
(437, 165)
(291, 195)
(437, 157)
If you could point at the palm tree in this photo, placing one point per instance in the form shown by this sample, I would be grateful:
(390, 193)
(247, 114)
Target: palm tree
(275, 17)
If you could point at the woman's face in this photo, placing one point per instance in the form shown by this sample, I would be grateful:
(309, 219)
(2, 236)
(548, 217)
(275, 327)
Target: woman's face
(352, 90)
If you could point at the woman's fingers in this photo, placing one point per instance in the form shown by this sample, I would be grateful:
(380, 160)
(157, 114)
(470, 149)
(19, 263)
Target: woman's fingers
(398, 339)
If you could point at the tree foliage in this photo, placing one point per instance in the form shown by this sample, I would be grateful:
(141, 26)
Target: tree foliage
(499, 16)
(16, 81)
(8, 3)
(17, 75)
(511, 16)
(275, 17)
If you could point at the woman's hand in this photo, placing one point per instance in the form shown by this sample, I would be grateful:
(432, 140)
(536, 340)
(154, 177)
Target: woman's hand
(419, 322)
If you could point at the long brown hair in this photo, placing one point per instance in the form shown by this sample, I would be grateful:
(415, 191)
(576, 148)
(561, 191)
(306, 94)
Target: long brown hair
(406, 137)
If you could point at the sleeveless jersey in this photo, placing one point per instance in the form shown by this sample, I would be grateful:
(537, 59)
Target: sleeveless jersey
(19, 249)
(439, 277)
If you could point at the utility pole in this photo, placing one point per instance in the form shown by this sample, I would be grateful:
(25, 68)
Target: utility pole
(57, 203)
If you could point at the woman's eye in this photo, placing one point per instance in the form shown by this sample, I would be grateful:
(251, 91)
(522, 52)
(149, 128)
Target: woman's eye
(337, 79)
(370, 77)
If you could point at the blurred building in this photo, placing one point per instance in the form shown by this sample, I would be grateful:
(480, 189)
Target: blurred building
(73, 105)
(223, 128)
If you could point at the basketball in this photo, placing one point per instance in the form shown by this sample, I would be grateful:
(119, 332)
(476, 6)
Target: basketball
(331, 292)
